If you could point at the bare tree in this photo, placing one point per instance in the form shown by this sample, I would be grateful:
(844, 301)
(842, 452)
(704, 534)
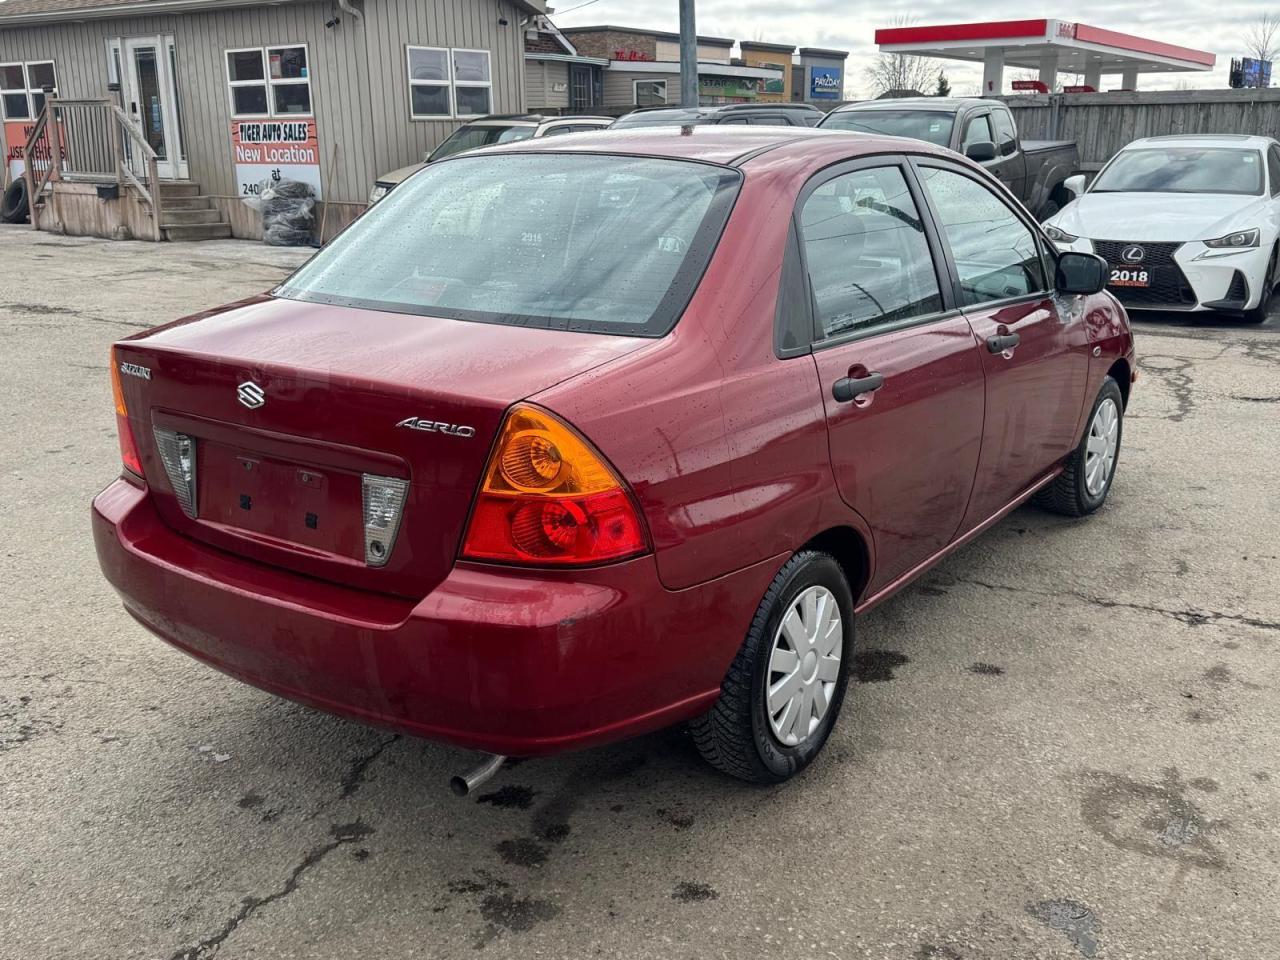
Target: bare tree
(1260, 40)
(899, 71)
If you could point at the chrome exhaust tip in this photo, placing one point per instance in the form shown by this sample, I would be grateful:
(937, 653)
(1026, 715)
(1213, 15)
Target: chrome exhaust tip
(463, 784)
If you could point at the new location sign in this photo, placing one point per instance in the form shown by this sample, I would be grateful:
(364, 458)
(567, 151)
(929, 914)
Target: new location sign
(275, 150)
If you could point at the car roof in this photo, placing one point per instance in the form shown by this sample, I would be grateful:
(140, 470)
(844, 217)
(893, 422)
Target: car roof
(915, 103)
(1204, 140)
(726, 145)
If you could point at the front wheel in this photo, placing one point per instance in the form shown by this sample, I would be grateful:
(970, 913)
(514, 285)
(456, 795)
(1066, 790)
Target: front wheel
(783, 691)
(1086, 479)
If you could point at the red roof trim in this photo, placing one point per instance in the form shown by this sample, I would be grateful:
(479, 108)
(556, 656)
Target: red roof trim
(1124, 41)
(998, 30)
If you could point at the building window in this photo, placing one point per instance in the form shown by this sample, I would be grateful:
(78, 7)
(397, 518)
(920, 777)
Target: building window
(22, 88)
(269, 81)
(446, 83)
(472, 86)
(650, 93)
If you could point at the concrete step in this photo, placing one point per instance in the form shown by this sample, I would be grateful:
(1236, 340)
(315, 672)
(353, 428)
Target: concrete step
(179, 188)
(185, 218)
(197, 231)
(187, 203)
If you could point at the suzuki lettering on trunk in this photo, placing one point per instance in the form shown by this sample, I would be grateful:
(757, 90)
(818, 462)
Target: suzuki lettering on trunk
(571, 439)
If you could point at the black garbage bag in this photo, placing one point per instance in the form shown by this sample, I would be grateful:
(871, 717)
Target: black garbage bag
(288, 212)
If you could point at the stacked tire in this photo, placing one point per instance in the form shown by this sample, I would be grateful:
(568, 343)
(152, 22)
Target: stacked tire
(13, 206)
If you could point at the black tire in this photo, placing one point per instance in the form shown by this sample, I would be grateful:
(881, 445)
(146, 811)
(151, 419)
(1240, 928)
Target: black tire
(13, 206)
(1259, 313)
(736, 736)
(1069, 494)
(1048, 210)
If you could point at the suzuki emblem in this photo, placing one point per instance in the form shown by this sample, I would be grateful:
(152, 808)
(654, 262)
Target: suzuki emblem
(1133, 254)
(251, 395)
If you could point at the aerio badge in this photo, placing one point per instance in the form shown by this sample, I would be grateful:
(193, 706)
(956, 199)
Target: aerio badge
(251, 395)
(435, 426)
(1133, 254)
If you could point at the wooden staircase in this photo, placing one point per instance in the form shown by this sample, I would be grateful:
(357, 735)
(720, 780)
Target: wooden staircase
(188, 215)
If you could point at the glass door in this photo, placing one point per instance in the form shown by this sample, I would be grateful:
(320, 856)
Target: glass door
(148, 65)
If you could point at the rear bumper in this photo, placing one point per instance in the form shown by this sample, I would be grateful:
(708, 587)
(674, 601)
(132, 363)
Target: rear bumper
(513, 662)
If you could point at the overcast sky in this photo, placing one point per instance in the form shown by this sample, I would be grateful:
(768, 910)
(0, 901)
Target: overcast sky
(851, 25)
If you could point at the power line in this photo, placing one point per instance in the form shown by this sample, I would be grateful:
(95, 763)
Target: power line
(578, 7)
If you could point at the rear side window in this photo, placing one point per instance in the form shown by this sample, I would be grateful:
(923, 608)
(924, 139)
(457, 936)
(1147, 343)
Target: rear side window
(995, 253)
(603, 244)
(977, 130)
(866, 252)
(1006, 134)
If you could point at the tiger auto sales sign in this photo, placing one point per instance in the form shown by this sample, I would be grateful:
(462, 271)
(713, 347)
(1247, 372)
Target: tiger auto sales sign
(274, 150)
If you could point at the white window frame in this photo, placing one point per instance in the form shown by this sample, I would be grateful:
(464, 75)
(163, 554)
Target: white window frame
(446, 82)
(27, 88)
(635, 91)
(267, 81)
(451, 83)
(471, 84)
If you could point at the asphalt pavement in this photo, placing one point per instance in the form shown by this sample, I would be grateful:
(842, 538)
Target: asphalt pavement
(1062, 742)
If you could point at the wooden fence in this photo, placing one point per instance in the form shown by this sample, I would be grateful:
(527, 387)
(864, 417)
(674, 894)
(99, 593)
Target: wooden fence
(1102, 123)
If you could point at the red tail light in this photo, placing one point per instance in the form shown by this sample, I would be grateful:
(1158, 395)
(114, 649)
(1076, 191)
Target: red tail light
(548, 499)
(128, 448)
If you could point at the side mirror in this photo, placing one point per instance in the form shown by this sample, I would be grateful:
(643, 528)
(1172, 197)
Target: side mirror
(1082, 273)
(1075, 185)
(981, 151)
(1008, 148)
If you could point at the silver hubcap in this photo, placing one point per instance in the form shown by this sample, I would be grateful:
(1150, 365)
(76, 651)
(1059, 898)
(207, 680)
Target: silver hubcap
(803, 665)
(1100, 450)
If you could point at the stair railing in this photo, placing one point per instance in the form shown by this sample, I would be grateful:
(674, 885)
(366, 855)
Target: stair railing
(85, 140)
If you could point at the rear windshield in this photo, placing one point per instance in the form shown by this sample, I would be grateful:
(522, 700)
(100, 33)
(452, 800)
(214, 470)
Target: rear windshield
(1183, 170)
(468, 138)
(604, 244)
(916, 124)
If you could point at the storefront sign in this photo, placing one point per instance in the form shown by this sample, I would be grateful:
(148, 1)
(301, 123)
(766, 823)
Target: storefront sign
(631, 55)
(1035, 86)
(741, 87)
(275, 150)
(826, 83)
(772, 86)
(15, 140)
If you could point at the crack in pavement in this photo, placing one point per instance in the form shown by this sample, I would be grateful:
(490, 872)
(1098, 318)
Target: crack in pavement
(350, 785)
(356, 778)
(342, 834)
(1190, 616)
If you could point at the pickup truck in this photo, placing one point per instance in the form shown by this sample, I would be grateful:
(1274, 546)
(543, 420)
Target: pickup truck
(982, 130)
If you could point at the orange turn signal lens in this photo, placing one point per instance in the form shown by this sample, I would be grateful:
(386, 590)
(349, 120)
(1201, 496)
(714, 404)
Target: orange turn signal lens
(128, 448)
(548, 498)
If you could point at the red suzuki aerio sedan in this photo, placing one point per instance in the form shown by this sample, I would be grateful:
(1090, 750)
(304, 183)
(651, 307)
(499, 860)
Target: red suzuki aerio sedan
(568, 441)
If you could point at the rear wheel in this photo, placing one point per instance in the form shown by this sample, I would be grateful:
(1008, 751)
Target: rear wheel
(1086, 479)
(783, 692)
(1259, 313)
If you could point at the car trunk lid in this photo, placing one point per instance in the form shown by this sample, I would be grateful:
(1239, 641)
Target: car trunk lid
(292, 405)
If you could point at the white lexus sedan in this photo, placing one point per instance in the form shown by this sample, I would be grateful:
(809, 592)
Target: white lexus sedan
(1185, 223)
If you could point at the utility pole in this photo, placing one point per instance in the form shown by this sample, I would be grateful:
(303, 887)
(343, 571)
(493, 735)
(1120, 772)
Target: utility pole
(688, 56)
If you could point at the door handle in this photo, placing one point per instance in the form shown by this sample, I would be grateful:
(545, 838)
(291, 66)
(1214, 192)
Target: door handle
(1002, 343)
(846, 388)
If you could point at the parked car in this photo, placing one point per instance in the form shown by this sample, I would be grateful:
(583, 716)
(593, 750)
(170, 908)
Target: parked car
(486, 132)
(1185, 222)
(764, 114)
(1035, 171)
(569, 440)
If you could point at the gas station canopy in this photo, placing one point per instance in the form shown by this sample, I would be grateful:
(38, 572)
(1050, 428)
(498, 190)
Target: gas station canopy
(1048, 46)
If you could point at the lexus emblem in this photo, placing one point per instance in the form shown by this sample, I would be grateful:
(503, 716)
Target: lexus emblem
(251, 395)
(1133, 254)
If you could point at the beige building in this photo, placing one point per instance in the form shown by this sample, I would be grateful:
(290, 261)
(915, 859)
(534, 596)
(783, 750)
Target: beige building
(770, 56)
(227, 93)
